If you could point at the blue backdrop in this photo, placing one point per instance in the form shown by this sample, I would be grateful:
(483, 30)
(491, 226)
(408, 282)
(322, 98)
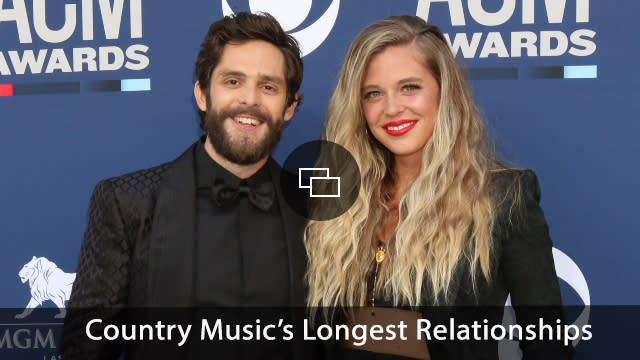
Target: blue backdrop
(93, 89)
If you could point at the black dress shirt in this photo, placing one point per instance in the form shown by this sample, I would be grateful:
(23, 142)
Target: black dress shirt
(241, 257)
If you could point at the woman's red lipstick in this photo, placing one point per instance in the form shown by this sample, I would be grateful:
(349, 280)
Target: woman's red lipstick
(400, 127)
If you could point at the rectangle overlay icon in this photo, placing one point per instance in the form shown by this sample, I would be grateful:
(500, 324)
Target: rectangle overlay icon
(328, 183)
(310, 173)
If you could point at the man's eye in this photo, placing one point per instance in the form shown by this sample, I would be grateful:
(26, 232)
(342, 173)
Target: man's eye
(269, 88)
(231, 82)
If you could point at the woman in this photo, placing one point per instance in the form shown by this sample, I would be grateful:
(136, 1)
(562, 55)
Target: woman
(438, 220)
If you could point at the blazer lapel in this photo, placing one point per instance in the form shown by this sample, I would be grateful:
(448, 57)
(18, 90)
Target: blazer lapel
(171, 249)
(293, 228)
(293, 225)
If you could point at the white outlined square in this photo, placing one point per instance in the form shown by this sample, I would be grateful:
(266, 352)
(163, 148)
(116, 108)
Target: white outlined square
(311, 194)
(300, 170)
(317, 178)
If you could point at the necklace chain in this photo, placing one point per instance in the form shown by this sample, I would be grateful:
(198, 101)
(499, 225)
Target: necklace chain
(381, 252)
(379, 258)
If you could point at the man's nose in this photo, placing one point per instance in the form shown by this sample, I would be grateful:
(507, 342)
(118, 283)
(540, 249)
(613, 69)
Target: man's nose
(250, 96)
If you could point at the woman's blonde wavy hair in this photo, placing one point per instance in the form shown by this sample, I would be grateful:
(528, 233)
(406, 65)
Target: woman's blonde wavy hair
(445, 218)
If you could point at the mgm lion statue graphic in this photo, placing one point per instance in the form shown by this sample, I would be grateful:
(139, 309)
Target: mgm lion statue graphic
(47, 282)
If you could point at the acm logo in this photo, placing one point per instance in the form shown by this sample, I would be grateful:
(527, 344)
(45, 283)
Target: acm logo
(542, 29)
(290, 14)
(79, 21)
(93, 38)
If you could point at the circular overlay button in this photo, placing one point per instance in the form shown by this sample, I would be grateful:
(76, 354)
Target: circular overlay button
(320, 180)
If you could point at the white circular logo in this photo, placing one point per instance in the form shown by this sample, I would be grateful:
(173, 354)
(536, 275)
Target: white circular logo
(567, 270)
(290, 14)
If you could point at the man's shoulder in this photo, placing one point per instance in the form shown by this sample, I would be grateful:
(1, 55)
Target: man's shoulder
(140, 181)
(144, 182)
(133, 193)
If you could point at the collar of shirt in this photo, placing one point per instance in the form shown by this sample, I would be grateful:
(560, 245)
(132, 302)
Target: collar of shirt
(207, 170)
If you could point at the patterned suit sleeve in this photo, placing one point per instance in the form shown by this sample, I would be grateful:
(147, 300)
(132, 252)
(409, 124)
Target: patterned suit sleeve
(100, 288)
(528, 267)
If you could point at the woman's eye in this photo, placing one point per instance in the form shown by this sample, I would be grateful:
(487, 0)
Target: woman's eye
(410, 87)
(371, 94)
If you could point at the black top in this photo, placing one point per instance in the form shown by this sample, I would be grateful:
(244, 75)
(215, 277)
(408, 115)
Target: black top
(241, 256)
(521, 266)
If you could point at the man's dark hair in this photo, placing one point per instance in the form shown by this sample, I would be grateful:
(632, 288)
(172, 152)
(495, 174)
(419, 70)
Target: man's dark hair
(240, 28)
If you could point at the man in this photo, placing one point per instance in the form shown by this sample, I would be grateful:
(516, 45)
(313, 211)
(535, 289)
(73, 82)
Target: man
(210, 228)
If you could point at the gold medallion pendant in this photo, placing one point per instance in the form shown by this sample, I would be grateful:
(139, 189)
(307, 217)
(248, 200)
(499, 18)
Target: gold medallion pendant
(380, 255)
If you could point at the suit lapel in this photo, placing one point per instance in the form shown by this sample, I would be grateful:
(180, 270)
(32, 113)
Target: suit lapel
(172, 239)
(293, 225)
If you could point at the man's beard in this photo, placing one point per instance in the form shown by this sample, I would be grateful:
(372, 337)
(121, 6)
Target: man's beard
(243, 151)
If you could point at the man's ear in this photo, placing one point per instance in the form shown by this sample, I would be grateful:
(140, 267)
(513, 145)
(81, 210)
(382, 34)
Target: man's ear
(290, 110)
(201, 96)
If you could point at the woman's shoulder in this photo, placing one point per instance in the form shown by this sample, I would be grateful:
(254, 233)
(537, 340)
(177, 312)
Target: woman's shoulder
(505, 178)
(515, 195)
(513, 184)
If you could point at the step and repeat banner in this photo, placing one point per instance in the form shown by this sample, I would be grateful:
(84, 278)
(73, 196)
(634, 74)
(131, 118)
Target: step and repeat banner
(91, 89)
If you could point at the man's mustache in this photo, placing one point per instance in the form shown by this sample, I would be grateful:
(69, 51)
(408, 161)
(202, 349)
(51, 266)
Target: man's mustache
(249, 111)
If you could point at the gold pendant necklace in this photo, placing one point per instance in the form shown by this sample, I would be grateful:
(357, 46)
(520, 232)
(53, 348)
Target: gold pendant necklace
(379, 258)
(380, 255)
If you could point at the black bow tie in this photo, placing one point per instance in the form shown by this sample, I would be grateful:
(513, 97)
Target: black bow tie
(224, 195)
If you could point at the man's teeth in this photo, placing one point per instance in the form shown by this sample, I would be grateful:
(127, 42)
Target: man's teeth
(400, 127)
(247, 121)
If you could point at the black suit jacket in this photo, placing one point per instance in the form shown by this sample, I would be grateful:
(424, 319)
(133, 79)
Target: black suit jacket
(138, 250)
(522, 267)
